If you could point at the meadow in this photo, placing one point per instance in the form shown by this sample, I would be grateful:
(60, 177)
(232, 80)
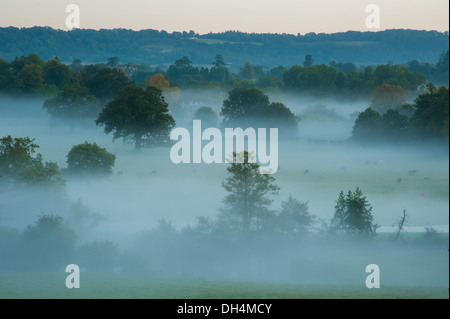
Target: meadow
(104, 286)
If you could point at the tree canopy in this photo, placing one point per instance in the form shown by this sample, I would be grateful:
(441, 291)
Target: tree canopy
(138, 115)
(431, 114)
(17, 164)
(89, 158)
(251, 107)
(207, 115)
(428, 121)
(75, 101)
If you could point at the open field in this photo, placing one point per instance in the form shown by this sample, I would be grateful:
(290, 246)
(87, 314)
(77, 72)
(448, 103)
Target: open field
(99, 286)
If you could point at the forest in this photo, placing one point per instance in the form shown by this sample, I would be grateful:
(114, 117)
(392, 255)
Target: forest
(269, 50)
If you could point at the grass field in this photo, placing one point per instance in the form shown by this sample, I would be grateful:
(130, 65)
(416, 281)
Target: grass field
(99, 286)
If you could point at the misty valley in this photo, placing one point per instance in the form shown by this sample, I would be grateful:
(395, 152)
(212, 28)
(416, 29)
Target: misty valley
(284, 185)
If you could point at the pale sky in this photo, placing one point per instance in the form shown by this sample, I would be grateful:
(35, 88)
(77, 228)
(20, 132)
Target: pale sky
(203, 16)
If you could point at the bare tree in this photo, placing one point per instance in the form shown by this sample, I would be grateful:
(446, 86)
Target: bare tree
(400, 224)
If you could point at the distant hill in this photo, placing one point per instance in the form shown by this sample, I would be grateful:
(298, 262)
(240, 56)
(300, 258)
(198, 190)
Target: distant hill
(268, 50)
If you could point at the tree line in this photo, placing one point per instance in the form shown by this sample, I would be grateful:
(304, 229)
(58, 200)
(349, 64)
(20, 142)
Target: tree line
(268, 50)
(30, 75)
(141, 114)
(425, 120)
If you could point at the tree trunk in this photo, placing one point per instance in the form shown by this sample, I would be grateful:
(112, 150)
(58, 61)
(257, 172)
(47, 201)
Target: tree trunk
(401, 224)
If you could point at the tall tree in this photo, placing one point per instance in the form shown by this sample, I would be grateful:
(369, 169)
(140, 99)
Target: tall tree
(387, 97)
(76, 65)
(219, 61)
(248, 193)
(184, 62)
(247, 72)
(139, 116)
(308, 60)
(219, 74)
(294, 217)
(353, 214)
(112, 62)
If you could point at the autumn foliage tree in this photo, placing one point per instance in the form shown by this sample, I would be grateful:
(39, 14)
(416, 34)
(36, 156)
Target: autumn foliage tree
(171, 94)
(247, 72)
(159, 81)
(387, 97)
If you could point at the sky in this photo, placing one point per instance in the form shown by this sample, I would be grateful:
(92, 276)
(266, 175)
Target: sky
(203, 16)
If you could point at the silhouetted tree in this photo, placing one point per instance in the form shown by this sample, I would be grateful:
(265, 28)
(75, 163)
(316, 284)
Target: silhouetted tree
(248, 193)
(308, 60)
(112, 62)
(139, 116)
(183, 62)
(207, 115)
(219, 61)
(353, 214)
(294, 217)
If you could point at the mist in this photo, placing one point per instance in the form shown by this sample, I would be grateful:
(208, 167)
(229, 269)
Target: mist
(144, 217)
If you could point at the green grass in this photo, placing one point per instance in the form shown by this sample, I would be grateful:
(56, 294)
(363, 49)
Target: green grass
(52, 285)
